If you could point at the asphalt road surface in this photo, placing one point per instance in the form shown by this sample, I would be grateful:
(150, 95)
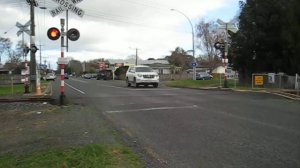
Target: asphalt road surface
(187, 128)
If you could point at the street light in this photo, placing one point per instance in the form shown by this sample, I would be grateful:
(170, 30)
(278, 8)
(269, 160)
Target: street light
(193, 42)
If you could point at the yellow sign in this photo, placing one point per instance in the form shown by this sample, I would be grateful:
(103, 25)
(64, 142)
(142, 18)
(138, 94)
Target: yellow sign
(259, 80)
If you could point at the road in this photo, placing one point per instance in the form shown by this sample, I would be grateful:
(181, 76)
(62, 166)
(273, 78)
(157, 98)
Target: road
(187, 128)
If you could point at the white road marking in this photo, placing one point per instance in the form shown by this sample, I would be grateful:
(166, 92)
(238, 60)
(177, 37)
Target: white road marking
(151, 89)
(152, 109)
(82, 92)
(112, 86)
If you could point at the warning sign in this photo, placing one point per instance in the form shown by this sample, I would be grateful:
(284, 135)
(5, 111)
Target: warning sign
(259, 80)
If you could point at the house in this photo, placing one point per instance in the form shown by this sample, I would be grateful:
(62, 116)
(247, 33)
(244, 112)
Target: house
(4, 70)
(161, 66)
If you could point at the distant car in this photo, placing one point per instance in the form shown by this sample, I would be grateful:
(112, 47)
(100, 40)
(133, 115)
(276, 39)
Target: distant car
(203, 76)
(50, 76)
(66, 76)
(141, 75)
(87, 76)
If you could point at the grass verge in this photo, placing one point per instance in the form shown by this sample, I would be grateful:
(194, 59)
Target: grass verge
(202, 83)
(93, 156)
(18, 89)
(12, 90)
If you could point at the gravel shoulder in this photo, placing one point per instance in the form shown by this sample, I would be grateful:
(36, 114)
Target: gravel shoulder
(30, 127)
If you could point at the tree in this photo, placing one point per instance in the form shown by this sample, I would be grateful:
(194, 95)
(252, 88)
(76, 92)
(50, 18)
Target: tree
(14, 56)
(180, 58)
(75, 66)
(208, 34)
(5, 45)
(268, 37)
(290, 34)
(121, 71)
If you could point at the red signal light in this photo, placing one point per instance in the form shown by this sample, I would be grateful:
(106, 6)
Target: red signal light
(53, 33)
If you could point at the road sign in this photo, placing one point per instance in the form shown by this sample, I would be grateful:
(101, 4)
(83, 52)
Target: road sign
(259, 80)
(194, 64)
(23, 28)
(227, 26)
(63, 61)
(67, 5)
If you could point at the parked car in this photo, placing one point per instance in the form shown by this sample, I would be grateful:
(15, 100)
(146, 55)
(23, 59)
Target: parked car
(50, 76)
(203, 76)
(87, 76)
(141, 75)
(102, 75)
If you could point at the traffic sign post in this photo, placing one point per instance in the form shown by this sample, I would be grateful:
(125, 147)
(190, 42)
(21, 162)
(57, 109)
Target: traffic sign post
(227, 26)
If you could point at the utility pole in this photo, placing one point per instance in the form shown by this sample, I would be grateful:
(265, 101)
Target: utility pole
(226, 26)
(136, 56)
(32, 4)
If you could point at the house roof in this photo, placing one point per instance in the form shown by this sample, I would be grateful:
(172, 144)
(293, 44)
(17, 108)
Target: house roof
(149, 62)
(4, 70)
(140, 62)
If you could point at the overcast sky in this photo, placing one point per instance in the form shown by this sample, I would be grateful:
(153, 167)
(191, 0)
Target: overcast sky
(112, 29)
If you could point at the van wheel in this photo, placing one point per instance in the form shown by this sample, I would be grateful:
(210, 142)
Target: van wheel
(155, 85)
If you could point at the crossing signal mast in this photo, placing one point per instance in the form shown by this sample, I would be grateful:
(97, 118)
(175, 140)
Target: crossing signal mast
(73, 34)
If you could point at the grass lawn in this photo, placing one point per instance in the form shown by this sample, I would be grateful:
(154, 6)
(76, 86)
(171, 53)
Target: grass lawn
(9, 90)
(91, 156)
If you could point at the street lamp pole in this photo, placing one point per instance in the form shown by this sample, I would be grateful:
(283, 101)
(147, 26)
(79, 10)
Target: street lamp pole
(193, 41)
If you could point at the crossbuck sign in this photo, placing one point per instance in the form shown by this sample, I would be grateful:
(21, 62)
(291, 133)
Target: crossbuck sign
(67, 5)
(23, 28)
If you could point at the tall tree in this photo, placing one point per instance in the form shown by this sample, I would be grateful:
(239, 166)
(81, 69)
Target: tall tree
(290, 35)
(267, 40)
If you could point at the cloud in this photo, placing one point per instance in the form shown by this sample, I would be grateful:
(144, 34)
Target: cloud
(111, 28)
